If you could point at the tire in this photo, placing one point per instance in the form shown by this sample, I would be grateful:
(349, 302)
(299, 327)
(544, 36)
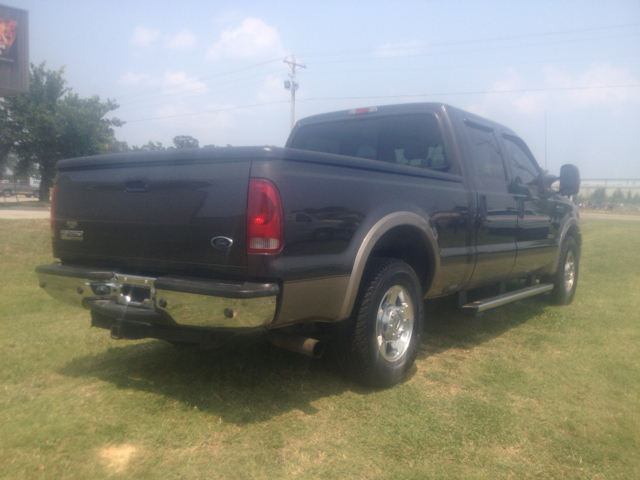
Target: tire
(6, 193)
(565, 280)
(379, 342)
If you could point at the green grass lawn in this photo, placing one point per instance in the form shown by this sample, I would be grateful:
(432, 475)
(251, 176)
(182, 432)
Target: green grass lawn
(526, 391)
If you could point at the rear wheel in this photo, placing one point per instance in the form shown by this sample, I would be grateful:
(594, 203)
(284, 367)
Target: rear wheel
(565, 280)
(380, 341)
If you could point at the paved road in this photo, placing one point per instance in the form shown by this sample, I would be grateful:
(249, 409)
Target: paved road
(15, 214)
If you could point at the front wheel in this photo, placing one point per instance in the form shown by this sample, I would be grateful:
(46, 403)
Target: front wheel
(6, 193)
(380, 341)
(565, 280)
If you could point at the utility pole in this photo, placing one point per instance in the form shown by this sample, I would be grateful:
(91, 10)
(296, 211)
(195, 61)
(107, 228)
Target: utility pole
(293, 86)
(545, 141)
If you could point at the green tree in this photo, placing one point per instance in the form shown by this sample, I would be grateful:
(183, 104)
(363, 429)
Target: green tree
(599, 194)
(151, 146)
(618, 194)
(185, 141)
(50, 123)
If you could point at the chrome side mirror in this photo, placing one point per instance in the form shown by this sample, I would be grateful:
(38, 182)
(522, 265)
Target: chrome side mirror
(569, 180)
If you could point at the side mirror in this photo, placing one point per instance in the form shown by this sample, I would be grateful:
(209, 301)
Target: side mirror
(569, 180)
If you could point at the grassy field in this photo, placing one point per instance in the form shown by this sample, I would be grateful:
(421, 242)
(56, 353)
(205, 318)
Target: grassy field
(526, 391)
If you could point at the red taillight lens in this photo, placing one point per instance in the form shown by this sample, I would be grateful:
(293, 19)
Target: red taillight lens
(53, 211)
(265, 222)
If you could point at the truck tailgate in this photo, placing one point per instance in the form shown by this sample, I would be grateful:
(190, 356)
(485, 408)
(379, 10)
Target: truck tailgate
(153, 215)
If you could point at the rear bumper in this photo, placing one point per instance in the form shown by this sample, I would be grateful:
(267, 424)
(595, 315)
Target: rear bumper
(163, 301)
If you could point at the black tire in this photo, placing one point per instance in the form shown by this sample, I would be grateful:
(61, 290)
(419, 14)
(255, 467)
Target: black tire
(367, 351)
(6, 193)
(565, 280)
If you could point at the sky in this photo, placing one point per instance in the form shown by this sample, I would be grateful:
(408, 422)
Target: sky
(565, 75)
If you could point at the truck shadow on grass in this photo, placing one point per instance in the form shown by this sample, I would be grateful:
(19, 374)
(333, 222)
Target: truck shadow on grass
(446, 327)
(248, 380)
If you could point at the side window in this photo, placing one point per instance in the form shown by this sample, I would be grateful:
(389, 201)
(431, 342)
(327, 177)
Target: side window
(522, 166)
(485, 154)
(411, 139)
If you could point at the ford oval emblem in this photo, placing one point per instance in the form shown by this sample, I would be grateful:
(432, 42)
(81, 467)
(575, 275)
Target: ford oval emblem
(221, 243)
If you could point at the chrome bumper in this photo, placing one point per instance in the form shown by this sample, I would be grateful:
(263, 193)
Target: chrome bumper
(187, 301)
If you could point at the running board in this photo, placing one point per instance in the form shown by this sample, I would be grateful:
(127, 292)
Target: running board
(493, 302)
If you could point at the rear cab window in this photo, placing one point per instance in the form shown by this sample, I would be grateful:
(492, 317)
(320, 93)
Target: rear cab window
(414, 140)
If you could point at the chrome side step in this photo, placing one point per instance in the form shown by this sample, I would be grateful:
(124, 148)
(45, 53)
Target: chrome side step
(493, 302)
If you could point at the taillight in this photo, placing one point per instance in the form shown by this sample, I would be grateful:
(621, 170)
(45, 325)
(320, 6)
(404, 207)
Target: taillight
(265, 222)
(53, 211)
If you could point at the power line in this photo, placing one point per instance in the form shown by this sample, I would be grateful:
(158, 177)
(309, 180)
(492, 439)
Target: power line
(151, 91)
(484, 49)
(207, 111)
(142, 102)
(196, 79)
(479, 92)
(466, 42)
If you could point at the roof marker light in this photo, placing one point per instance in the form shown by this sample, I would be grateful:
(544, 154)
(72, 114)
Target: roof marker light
(360, 111)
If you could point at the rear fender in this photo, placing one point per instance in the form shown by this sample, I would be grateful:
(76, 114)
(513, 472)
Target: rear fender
(383, 226)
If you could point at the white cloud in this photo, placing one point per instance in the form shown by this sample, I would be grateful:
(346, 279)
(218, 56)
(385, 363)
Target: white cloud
(400, 49)
(560, 89)
(131, 78)
(251, 39)
(177, 84)
(180, 82)
(273, 90)
(227, 17)
(144, 37)
(596, 85)
(183, 40)
(192, 119)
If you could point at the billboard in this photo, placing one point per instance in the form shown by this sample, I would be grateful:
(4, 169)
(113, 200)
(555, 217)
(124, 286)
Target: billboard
(14, 51)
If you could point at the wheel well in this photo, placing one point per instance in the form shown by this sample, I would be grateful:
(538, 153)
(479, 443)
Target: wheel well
(408, 244)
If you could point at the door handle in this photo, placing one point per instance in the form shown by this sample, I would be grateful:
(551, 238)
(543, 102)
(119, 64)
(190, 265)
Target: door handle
(521, 208)
(482, 207)
(136, 186)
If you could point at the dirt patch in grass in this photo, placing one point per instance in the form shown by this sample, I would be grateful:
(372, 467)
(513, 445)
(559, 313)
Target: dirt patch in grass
(117, 458)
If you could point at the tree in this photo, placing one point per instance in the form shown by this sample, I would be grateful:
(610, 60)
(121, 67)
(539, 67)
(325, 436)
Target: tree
(618, 194)
(185, 141)
(50, 123)
(149, 147)
(599, 194)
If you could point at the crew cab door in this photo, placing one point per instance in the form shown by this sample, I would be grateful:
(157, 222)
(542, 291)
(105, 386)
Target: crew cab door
(497, 213)
(537, 226)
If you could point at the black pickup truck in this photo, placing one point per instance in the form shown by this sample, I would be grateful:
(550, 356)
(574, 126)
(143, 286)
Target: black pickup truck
(359, 218)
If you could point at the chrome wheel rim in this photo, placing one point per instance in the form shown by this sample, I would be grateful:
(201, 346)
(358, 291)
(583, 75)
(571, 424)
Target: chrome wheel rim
(394, 323)
(569, 272)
